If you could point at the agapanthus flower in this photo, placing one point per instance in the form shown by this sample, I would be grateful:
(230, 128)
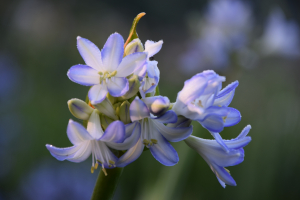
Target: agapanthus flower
(93, 140)
(202, 100)
(152, 114)
(217, 158)
(149, 73)
(105, 71)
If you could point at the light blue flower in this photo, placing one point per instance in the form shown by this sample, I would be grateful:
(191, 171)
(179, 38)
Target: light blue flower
(148, 74)
(154, 134)
(281, 37)
(107, 70)
(95, 141)
(202, 100)
(217, 158)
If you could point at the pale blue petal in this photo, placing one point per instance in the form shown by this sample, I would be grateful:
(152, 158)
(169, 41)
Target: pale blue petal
(131, 155)
(163, 151)
(90, 53)
(244, 132)
(84, 152)
(213, 123)
(221, 182)
(115, 132)
(133, 131)
(225, 96)
(223, 175)
(94, 125)
(84, 75)
(220, 141)
(77, 133)
(233, 117)
(181, 122)
(169, 117)
(97, 93)
(173, 134)
(131, 63)
(152, 69)
(112, 52)
(138, 110)
(238, 143)
(117, 86)
(152, 47)
(141, 72)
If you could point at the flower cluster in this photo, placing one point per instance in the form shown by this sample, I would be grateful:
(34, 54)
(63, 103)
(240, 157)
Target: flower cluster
(125, 115)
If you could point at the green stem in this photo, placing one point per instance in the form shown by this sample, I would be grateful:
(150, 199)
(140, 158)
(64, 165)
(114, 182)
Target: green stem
(106, 185)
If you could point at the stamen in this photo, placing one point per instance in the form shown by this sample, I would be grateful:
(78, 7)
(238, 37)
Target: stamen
(99, 161)
(154, 141)
(96, 165)
(146, 142)
(100, 73)
(151, 143)
(111, 162)
(200, 103)
(104, 170)
(92, 169)
(227, 170)
(224, 118)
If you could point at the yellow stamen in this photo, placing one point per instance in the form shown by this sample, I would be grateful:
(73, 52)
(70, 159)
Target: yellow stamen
(96, 165)
(104, 171)
(146, 142)
(111, 162)
(92, 169)
(224, 119)
(154, 141)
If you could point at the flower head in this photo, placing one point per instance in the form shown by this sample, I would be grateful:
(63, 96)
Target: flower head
(107, 70)
(217, 158)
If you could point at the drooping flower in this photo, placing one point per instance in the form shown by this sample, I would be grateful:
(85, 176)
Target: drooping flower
(154, 134)
(107, 70)
(217, 158)
(149, 73)
(95, 141)
(202, 100)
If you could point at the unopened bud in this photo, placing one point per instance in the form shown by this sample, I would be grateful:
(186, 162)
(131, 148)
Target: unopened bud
(105, 121)
(158, 105)
(134, 85)
(124, 112)
(134, 46)
(106, 108)
(80, 109)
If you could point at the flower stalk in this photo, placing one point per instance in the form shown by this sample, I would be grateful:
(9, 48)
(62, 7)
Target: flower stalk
(105, 186)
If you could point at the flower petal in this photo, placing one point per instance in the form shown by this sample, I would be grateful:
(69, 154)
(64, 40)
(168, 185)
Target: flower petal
(131, 155)
(97, 93)
(83, 153)
(133, 131)
(77, 133)
(173, 134)
(213, 123)
(115, 132)
(158, 105)
(233, 117)
(163, 151)
(83, 75)
(90, 53)
(225, 96)
(112, 52)
(117, 86)
(169, 117)
(138, 110)
(220, 141)
(153, 48)
(152, 69)
(223, 175)
(131, 63)
(93, 126)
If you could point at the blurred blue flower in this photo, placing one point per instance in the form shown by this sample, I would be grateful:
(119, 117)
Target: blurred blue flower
(202, 100)
(217, 158)
(280, 37)
(224, 29)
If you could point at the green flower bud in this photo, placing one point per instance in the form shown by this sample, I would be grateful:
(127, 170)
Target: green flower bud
(106, 108)
(134, 46)
(80, 109)
(105, 121)
(124, 112)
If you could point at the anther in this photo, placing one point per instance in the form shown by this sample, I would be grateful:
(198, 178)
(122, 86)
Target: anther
(224, 119)
(92, 169)
(111, 162)
(104, 170)
(154, 141)
(96, 165)
(99, 161)
(146, 142)
(200, 103)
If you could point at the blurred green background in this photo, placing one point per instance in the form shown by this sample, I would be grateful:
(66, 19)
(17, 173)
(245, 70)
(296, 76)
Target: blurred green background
(38, 46)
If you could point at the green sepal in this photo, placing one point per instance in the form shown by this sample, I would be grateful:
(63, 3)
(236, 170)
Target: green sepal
(157, 91)
(105, 121)
(132, 33)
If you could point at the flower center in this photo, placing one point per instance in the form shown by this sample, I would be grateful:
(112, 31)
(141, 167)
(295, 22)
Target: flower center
(106, 75)
(147, 133)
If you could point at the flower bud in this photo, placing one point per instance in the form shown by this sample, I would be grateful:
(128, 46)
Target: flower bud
(134, 85)
(124, 112)
(80, 109)
(105, 121)
(158, 105)
(106, 108)
(134, 46)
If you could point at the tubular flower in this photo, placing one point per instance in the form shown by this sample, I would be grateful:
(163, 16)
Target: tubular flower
(202, 100)
(105, 71)
(154, 134)
(93, 140)
(217, 158)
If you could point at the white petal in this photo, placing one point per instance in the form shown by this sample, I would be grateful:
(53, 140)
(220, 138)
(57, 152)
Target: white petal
(77, 133)
(131, 63)
(153, 48)
(93, 126)
(83, 75)
(97, 93)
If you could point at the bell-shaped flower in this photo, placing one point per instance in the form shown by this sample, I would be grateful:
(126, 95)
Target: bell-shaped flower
(202, 100)
(217, 158)
(105, 71)
(149, 73)
(92, 140)
(154, 134)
